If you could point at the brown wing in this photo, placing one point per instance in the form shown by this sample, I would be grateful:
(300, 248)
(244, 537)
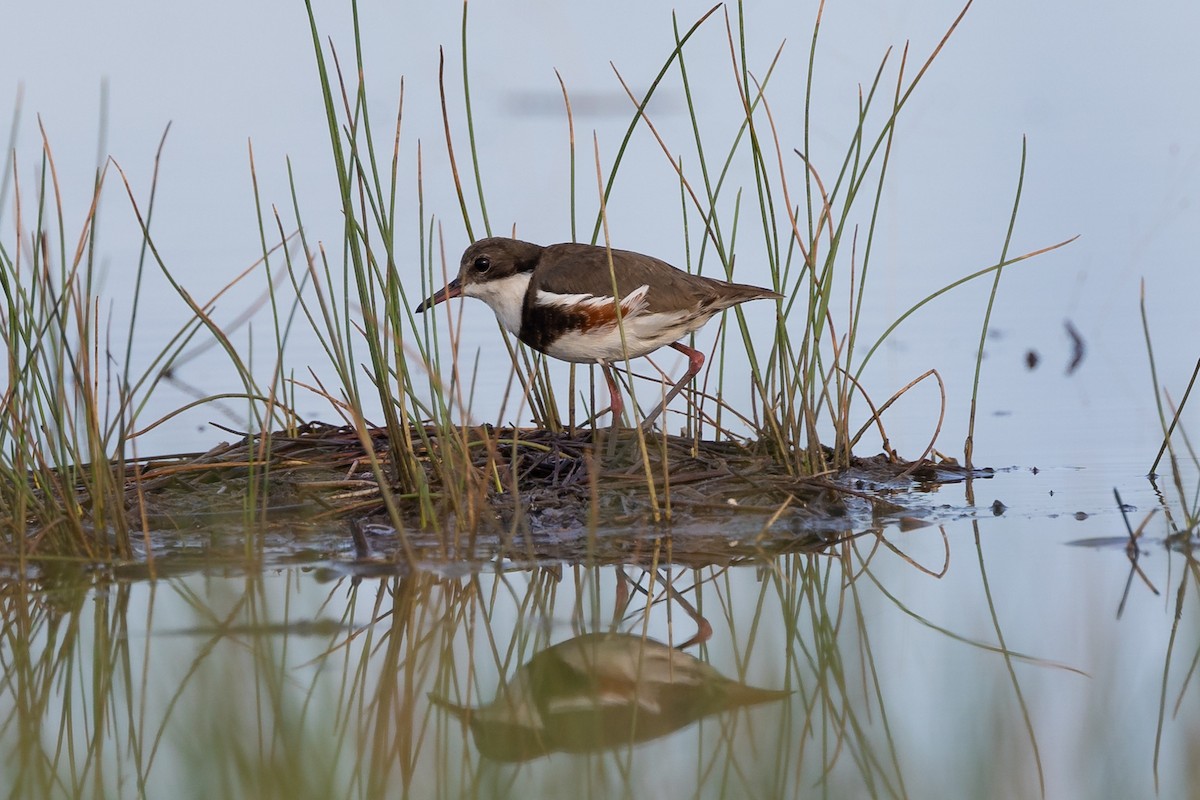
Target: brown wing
(583, 269)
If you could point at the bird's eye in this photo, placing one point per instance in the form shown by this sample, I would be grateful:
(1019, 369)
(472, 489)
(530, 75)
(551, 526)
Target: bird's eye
(482, 264)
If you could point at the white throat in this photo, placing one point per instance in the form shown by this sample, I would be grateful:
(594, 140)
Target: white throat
(506, 297)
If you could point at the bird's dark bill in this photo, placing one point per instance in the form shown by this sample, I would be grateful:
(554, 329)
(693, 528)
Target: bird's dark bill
(453, 289)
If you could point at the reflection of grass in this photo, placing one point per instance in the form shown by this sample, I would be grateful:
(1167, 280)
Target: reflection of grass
(121, 698)
(274, 687)
(68, 692)
(1182, 515)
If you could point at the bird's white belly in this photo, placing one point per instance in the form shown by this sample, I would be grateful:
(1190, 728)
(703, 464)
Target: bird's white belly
(644, 333)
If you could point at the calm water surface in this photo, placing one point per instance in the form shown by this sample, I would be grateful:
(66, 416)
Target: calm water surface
(946, 661)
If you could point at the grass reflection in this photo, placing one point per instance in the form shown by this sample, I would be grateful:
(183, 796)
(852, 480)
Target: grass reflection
(1179, 502)
(279, 687)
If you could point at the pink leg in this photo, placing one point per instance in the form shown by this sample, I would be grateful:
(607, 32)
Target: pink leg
(695, 358)
(616, 405)
(695, 364)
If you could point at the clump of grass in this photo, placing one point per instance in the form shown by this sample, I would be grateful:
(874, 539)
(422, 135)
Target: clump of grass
(63, 418)
(808, 382)
(806, 386)
(72, 410)
(67, 432)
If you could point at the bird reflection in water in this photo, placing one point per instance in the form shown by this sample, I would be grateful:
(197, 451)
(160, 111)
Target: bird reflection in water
(599, 691)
